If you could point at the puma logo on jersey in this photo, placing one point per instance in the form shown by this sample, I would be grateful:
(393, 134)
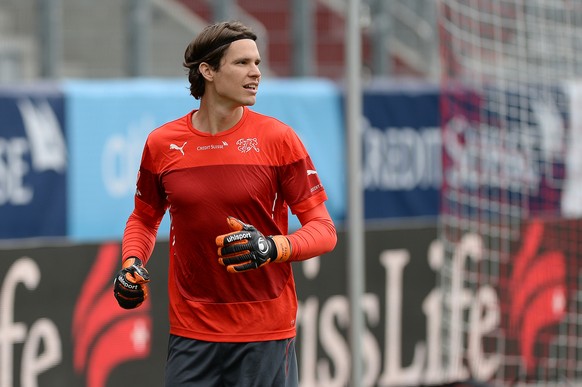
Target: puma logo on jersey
(311, 172)
(180, 148)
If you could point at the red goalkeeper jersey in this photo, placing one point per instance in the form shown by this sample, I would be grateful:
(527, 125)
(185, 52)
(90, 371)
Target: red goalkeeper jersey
(253, 171)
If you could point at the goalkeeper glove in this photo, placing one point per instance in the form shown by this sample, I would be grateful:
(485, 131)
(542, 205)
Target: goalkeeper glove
(129, 285)
(246, 248)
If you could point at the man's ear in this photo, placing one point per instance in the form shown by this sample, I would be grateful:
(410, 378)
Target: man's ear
(206, 71)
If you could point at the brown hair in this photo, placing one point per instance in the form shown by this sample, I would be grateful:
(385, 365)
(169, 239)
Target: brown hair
(209, 46)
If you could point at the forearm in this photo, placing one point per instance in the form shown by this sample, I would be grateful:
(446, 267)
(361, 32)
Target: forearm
(316, 236)
(139, 237)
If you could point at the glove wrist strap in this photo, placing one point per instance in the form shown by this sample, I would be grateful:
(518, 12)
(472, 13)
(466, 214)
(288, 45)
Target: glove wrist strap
(130, 261)
(283, 247)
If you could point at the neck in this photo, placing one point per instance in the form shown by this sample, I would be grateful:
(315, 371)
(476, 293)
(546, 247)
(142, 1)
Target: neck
(216, 119)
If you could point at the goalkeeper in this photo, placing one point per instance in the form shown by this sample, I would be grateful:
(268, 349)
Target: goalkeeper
(228, 176)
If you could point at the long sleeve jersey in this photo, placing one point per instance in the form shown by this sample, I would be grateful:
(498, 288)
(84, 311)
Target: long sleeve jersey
(254, 171)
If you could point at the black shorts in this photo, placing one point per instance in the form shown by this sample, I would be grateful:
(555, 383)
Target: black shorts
(208, 364)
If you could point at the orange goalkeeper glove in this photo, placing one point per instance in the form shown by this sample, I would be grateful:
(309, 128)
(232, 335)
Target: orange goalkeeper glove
(129, 286)
(246, 248)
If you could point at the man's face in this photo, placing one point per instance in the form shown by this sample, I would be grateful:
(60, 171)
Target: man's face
(237, 80)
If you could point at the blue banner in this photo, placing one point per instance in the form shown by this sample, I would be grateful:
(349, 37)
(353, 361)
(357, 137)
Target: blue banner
(402, 150)
(33, 162)
(109, 122)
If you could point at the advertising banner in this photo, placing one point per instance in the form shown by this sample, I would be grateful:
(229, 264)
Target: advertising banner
(33, 162)
(109, 123)
(530, 304)
(486, 320)
(514, 146)
(402, 150)
(61, 325)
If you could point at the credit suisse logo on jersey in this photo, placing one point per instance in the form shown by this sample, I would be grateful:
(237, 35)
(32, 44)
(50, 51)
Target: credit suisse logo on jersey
(212, 146)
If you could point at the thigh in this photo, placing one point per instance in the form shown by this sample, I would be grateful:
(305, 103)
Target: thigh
(192, 363)
(261, 364)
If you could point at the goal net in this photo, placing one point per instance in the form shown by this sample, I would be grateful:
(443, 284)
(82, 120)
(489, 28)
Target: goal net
(511, 210)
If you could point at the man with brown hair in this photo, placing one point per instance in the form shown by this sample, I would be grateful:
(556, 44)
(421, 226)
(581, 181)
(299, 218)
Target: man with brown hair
(228, 177)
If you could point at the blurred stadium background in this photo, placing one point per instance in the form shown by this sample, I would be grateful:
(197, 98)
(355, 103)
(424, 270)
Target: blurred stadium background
(472, 182)
(77, 38)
